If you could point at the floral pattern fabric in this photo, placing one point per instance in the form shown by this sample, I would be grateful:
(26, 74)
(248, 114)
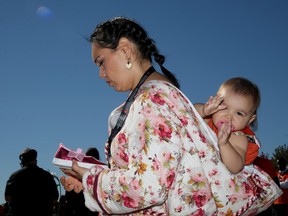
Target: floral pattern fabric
(165, 161)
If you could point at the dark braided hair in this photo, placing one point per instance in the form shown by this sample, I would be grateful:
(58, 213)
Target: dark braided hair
(108, 34)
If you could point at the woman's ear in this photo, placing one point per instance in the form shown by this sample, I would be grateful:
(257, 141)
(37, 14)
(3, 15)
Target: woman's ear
(125, 46)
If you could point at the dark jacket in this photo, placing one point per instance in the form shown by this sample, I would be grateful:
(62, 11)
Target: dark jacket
(33, 191)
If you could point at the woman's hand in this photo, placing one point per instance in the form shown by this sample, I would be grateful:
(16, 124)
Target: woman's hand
(71, 183)
(76, 171)
(74, 179)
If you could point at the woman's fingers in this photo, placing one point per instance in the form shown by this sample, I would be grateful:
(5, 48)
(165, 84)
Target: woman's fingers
(70, 183)
(79, 170)
(69, 172)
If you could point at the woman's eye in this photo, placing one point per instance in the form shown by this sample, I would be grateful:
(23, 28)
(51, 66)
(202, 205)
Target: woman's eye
(99, 63)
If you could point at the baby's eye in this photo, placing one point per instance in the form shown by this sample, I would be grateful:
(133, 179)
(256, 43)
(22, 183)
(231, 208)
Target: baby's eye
(239, 113)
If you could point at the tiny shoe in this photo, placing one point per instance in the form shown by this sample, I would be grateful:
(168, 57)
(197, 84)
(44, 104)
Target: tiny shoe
(64, 156)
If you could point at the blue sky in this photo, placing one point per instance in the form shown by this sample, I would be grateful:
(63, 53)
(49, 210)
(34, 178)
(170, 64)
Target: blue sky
(50, 91)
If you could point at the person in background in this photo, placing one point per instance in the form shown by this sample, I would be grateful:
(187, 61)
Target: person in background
(31, 190)
(2, 210)
(72, 203)
(161, 158)
(232, 114)
(281, 203)
(283, 172)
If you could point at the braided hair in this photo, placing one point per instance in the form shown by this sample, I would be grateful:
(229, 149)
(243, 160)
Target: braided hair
(108, 34)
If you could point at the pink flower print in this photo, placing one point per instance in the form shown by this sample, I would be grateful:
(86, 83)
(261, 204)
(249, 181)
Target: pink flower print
(123, 156)
(217, 182)
(200, 198)
(157, 98)
(233, 198)
(170, 178)
(90, 180)
(189, 137)
(202, 154)
(163, 131)
(152, 202)
(167, 156)
(156, 165)
(184, 121)
(122, 138)
(128, 201)
(232, 184)
(197, 177)
(135, 185)
(199, 212)
(147, 110)
(202, 137)
(248, 188)
(180, 191)
(178, 209)
(213, 172)
(122, 180)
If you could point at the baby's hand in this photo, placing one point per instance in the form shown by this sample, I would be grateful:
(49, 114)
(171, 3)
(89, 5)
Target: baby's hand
(213, 105)
(224, 132)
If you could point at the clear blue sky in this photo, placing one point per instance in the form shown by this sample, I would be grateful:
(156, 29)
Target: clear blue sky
(50, 91)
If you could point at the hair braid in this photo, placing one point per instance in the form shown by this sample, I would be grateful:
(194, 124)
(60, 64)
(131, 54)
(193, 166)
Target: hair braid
(108, 34)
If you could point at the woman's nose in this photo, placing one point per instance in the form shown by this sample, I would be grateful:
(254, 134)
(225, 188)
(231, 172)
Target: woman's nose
(102, 73)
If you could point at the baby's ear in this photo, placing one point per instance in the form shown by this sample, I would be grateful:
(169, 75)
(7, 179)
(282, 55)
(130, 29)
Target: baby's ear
(253, 117)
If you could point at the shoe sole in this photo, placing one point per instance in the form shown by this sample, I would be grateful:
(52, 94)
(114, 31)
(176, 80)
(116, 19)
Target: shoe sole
(67, 164)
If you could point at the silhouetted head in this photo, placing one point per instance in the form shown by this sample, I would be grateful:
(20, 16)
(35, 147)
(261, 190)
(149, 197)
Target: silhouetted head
(93, 152)
(28, 156)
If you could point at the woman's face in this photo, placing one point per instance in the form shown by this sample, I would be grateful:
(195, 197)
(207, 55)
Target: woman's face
(239, 109)
(112, 68)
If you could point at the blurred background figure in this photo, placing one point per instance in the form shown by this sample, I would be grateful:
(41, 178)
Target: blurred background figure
(73, 204)
(282, 202)
(283, 172)
(31, 190)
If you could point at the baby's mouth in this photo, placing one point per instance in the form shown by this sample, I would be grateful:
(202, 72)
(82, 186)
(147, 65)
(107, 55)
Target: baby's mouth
(221, 123)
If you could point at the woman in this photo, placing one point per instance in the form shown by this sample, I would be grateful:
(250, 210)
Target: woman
(155, 145)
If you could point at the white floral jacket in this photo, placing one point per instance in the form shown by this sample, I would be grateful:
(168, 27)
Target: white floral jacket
(165, 161)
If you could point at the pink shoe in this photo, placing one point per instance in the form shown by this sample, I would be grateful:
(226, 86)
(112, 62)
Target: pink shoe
(64, 156)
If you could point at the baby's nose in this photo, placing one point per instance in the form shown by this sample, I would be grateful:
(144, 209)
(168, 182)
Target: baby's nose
(228, 117)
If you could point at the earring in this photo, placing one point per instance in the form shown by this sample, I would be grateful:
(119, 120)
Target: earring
(128, 65)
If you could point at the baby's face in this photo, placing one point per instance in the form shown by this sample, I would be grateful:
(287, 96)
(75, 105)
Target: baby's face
(239, 110)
